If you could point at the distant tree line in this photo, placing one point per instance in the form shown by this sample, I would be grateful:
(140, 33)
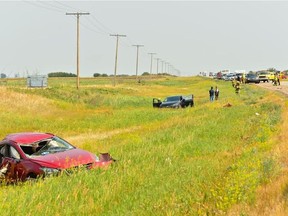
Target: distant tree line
(61, 74)
(65, 74)
(163, 74)
(126, 75)
(99, 75)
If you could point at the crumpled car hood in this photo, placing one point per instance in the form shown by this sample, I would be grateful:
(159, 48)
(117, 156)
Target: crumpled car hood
(63, 160)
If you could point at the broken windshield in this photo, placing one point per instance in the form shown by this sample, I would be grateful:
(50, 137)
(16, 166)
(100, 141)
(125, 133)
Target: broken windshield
(44, 147)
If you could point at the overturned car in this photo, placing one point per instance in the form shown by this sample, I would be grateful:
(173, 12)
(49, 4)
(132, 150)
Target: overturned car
(177, 101)
(31, 155)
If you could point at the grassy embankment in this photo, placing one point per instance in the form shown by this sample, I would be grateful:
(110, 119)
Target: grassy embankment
(190, 161)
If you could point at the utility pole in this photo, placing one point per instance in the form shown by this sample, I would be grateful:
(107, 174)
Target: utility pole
(162, 66)
(157, 64)
(171, 69)
(166, 67)
(137, 58)
(116, 56)
(151, 61)
(78, 14)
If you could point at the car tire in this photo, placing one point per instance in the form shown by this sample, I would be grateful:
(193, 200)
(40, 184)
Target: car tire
(31, 177)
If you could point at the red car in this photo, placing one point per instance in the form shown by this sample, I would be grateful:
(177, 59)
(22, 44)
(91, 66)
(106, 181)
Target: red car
(32, 155)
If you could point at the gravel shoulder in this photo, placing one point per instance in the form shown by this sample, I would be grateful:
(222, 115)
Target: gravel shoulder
(282, 88)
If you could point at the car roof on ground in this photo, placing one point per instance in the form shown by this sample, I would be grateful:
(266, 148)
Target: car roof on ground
(28, 137)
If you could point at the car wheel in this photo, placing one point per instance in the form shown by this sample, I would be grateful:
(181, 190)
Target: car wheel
(31, 177)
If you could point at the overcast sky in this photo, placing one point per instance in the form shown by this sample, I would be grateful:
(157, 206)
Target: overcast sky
(193, 36)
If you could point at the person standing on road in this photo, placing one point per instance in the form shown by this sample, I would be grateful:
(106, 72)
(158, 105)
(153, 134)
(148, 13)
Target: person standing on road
(216, 93)
(278, 78)
(211, 94)
(275, 80)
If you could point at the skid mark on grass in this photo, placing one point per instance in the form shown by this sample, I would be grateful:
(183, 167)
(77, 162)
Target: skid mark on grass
(102, 135)
(174, 121)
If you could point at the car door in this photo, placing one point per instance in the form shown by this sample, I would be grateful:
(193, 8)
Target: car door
(156, 102)
(12, 160)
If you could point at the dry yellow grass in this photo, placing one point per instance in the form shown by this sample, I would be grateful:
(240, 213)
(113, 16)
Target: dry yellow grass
(24, 103)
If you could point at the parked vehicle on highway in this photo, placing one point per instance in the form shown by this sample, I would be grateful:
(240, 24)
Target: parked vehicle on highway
(264, 76)
(240, 75)
(177, 101)
(31, 155)
(230, 77)
(223, 77)
(252, 78)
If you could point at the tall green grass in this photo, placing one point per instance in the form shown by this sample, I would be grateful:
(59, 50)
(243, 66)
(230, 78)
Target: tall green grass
(192, 161)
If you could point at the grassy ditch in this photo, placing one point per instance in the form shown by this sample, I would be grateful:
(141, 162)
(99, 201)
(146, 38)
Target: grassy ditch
(193, 161)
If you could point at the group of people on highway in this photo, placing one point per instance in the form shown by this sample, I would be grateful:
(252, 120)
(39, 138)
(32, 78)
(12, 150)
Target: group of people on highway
(236, 83)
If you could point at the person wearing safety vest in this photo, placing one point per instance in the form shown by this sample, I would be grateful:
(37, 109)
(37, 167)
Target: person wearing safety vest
(243, 78)
(275, 80)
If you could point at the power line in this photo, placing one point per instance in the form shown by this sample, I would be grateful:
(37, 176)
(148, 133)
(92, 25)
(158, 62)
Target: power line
(52, 6)
(100, 30)
(92, 23)
(101, 24)
(104, 28)
(65, 5)
(42, 6)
